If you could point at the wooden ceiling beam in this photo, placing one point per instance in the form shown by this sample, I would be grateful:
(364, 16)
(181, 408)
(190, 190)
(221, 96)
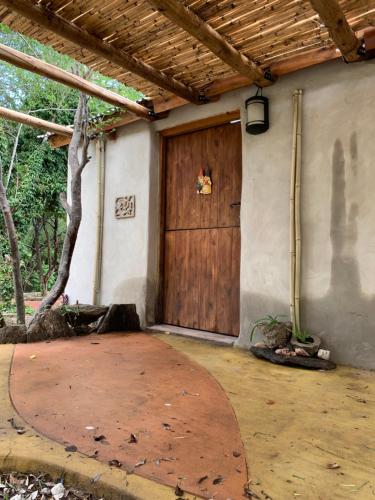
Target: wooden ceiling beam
(333, 17)
(32, 121)
(283, 67)
(186, 19)
(44, 17)
(286, 66)
(52, 72)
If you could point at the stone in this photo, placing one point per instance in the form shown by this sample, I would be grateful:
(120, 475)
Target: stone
(47, 326)
(120, 318)
(82, 314)
(285, 351)
(296, 361)
(14, 334)
(277, 335)
(310, 347)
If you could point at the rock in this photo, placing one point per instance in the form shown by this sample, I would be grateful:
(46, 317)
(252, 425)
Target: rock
(15, 334)
(277, 335)
(84, 329)
(120, 318)
(310, 347)
(299, 361)
(260, 344)
(82, 314)
(301, 352)
(285, 351)
(47, 326)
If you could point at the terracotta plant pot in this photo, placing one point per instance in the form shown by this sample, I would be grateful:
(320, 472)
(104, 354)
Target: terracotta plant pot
(310, 347)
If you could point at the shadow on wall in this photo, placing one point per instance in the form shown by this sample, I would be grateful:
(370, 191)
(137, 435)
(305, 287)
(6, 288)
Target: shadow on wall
(132, 291)
(345, 316)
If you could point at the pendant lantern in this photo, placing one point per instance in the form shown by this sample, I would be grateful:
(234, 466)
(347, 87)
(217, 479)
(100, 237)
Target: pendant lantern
(257, 114)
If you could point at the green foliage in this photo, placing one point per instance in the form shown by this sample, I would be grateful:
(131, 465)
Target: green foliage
(268, 321)
(302, 336)
(39, 173)
(6, 282)
(11, 309)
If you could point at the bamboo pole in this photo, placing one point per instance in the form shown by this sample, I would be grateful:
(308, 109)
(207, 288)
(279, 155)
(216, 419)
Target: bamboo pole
(43, 17)
(189, 21)
(30, 63)
(100, 158)
(297, 211)
(292, 263)
(32, 121)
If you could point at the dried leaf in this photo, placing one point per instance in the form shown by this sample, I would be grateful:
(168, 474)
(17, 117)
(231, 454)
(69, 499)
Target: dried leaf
(201, 479)
(218, 480)
(178, 491)
(71, 448)
(99, 438)
(141, 462)
(133, 439)
(115, 463)
(58, 491)
(333, 466)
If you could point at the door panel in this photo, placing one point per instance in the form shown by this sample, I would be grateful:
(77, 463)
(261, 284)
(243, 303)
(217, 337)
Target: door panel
(219, 149)
(202, 234)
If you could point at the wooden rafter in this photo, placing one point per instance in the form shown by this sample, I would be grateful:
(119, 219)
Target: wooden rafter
(289, 65)
(223, 85)
(218, 87)
(32, 121)
(42, 68)
(333, 17)
(186, 19)
(69, 31)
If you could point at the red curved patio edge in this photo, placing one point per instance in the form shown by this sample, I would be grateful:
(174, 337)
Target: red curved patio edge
(117, 385)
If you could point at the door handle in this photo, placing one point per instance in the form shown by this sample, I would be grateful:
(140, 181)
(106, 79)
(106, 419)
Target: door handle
(235, 204)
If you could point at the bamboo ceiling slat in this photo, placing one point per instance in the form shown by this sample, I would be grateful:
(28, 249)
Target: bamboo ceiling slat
(264, 30)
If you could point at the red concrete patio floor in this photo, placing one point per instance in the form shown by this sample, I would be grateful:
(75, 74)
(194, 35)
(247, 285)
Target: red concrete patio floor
(96, 392)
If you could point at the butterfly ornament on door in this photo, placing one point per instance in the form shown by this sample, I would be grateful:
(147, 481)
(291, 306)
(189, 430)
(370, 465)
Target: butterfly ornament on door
(204, 182)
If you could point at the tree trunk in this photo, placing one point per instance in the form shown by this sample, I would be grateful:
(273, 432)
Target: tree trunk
(74, 210)
(14, 252)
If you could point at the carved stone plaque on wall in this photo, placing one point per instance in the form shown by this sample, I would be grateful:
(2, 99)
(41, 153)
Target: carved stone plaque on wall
(125, 207)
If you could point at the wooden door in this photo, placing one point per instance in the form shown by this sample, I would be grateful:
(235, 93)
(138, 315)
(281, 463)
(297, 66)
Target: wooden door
(202, 233)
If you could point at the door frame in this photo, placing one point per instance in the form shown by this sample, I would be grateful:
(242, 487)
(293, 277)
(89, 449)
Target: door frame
(194, 126)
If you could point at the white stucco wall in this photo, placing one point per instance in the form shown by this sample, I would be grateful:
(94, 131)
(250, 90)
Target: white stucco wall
(81, 280)
(125, 273)
(338, 214)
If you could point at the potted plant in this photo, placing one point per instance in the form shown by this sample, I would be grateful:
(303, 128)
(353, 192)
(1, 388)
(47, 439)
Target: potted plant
(305, 340)
(276, 333)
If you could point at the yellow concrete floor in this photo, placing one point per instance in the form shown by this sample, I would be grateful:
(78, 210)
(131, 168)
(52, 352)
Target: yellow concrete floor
(296, 423)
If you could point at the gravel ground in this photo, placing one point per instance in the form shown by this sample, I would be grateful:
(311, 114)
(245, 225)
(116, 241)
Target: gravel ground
(16, 486)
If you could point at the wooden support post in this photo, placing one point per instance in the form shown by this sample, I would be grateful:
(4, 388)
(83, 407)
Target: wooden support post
(186, 19)
(333, 17)
(32, 121)
(42, 16)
